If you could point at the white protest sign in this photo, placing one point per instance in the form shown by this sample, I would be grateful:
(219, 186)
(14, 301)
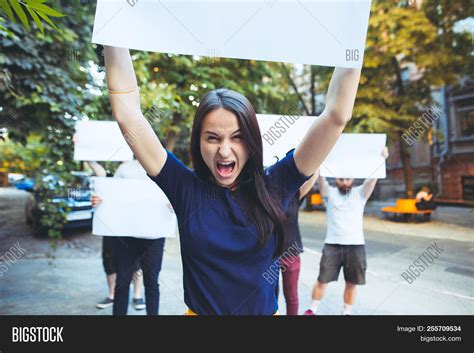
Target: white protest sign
(353, 155)
(100, 141)
(281, 133)
(132, 207)
(317, 32)
(356, 156)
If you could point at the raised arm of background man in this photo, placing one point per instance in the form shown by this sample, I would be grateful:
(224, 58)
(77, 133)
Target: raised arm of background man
(125, 100)
(369, 184)
(323, 186)
(324, 132)
(97, 169)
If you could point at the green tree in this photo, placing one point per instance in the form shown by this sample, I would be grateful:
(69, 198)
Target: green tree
(43, 87)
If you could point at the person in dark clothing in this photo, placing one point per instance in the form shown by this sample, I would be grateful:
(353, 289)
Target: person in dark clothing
(290, 262)
(424, 200)
(110, 257)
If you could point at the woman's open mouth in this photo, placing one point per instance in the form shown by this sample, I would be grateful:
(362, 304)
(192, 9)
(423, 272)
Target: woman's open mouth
(225, 169)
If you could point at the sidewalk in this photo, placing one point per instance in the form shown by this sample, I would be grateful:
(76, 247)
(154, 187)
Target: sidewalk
(382, 295)
(455, 222)
(73, 285)
(460, 216)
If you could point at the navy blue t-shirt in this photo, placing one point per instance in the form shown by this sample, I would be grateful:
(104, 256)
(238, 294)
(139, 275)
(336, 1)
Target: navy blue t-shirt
(223, 263)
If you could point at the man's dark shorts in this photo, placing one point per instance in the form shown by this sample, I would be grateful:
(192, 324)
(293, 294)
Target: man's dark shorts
(350, 257)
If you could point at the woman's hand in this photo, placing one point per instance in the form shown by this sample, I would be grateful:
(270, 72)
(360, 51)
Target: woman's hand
(96, 200)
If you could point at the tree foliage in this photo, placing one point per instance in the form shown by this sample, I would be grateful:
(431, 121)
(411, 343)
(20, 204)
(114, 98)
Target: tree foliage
(16, 157)
(42, 90)
(400, 36)
(30, 10)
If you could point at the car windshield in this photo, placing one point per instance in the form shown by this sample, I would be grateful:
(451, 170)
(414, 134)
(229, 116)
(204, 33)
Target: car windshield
(76, 188)
(80, 182)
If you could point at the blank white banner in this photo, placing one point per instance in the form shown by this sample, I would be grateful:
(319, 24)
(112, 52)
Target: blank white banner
(356, 156)
(132, 207)
(353, 155)
(317, 32)
(100, 141)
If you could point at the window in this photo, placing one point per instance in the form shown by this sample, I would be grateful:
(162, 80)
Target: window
(464, 109)
(468, 187)
(466, 119)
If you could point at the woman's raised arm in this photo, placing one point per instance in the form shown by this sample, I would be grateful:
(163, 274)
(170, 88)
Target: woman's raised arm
(323, 134)
(125, 100)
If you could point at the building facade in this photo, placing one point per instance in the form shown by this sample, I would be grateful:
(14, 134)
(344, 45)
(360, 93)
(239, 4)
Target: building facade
(444, 161)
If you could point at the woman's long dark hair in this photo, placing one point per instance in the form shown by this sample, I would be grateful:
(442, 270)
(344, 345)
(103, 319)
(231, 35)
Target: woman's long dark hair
(264, 208)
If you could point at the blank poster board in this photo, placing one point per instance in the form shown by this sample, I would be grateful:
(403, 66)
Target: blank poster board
(356, 156)
(353, 155)
(100, 141)
(132, 207)
(316, 32)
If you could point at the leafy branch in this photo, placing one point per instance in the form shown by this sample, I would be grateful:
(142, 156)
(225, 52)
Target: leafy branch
(35, 8)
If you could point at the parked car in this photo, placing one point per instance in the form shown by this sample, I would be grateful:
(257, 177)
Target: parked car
(78, 199)
(25, 184)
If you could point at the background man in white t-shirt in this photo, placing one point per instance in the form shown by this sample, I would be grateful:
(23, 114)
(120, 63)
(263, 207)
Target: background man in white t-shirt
(109, 254)
(344, 245)
(131, 251)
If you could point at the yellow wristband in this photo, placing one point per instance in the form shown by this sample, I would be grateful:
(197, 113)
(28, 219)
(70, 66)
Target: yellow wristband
(123, 92)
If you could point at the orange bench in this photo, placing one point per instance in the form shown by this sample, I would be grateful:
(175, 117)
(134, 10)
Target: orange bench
(406, 208)
(314, 201)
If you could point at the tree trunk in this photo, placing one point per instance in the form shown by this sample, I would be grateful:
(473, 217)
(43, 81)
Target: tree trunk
(171, 134)
(293, 84)
(404, 153)
(434, 184)
(170, 140)
(407, 169)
